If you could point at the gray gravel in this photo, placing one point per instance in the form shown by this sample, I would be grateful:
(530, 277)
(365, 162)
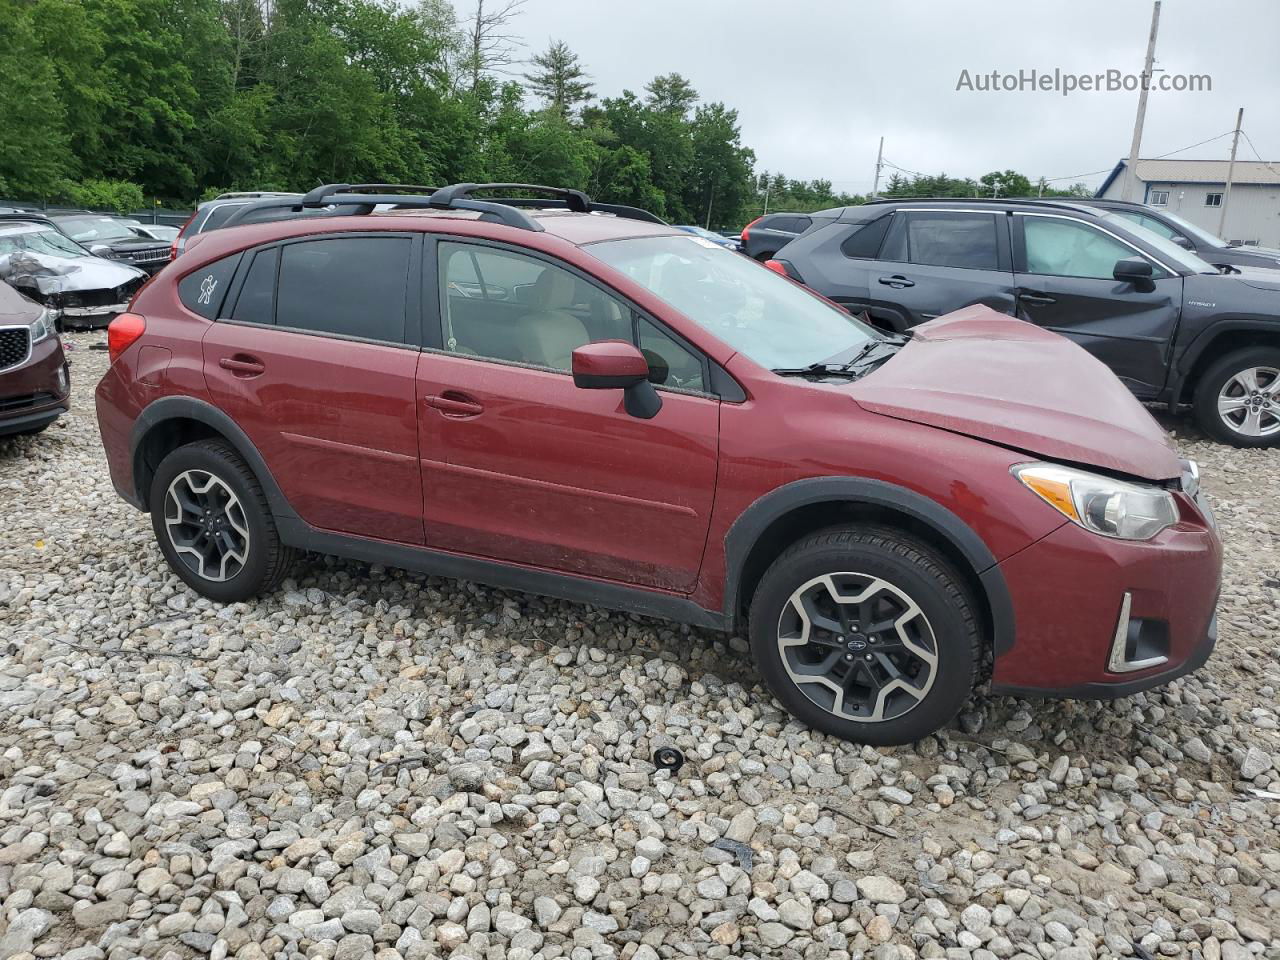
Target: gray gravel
(372, 763)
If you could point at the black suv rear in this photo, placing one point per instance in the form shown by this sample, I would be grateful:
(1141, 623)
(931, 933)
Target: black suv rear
(1169, 324)
(765, 236)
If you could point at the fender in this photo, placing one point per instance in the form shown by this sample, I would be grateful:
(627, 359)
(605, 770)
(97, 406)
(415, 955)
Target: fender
(188, 408)
(748, 528)
(1186, 362)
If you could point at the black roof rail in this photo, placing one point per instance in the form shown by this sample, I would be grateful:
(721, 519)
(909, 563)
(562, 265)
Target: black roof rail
(347, 199)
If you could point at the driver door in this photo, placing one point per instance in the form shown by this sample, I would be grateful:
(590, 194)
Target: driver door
(1063, 276)
(519, 465)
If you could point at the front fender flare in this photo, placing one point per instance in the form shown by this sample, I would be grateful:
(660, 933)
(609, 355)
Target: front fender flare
(756, 519)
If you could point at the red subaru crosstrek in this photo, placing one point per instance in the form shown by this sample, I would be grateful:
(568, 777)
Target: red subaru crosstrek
(578, 400)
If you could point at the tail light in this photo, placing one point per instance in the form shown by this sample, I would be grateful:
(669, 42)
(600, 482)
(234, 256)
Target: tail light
(785, 268)
(174, 247)
(122, 332)
(748, 227)
(776, 267)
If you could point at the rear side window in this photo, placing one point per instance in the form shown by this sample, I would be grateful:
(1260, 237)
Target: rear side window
(218, 216)
(202, 292)
(965, 240)
(256, 302)
(348, 286)
(864, 242)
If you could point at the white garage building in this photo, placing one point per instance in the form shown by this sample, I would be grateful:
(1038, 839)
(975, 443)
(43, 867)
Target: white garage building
(1193, 189)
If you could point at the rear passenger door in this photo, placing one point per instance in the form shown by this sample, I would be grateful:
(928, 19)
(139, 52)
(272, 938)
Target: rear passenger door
(314, 356)
(935, 261)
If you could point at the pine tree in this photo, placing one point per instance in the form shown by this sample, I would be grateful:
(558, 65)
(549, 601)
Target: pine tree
(559, 79)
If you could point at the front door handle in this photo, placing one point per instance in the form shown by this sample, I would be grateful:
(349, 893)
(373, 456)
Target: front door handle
(454, 404)
(897, 281)
(243, 365)
(1039, 299)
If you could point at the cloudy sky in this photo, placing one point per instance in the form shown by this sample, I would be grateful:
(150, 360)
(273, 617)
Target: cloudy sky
(817, 82)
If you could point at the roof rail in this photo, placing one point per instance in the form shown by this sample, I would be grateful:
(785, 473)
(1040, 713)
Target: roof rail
(348, 199)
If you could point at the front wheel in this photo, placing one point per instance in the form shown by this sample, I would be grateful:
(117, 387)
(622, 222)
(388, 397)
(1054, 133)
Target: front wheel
(866, 634)
(213, 523)
(1237, 400)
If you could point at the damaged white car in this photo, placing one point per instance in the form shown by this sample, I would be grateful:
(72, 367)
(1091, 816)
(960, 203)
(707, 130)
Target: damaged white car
(58, 273)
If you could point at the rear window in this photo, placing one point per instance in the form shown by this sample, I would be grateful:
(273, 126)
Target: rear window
(203, 291)
(788, 224)
(218, 216)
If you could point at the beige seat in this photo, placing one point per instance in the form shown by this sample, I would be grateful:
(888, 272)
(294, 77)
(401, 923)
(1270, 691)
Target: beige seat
(550, 333)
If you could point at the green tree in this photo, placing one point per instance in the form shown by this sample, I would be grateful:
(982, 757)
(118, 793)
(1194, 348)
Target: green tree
(671, 93)
(1008, 183)
(558, 78)
(31, 163)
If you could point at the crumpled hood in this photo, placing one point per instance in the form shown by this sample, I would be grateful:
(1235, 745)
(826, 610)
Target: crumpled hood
(49, 274)
(997, 378)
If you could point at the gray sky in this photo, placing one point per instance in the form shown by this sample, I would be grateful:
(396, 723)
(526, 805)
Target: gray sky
(817, 82)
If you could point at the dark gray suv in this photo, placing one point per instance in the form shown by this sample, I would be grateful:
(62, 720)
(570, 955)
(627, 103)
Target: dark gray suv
(1174, 328)
(765, 236)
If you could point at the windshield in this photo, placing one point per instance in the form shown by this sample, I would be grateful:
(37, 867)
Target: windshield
(1168, 250)
(773, 321)
(37, 239)
(95, 229)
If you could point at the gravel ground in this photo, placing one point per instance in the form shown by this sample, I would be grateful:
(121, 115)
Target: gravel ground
(373, 763)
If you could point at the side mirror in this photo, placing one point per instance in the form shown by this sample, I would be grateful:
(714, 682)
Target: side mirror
(1133, 270)
(617, 365)
(101, 250)
(1182, 241)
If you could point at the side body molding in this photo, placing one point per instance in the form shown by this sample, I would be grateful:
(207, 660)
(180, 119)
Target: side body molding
(747, 529)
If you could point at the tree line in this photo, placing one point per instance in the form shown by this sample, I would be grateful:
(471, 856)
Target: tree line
(106, 102)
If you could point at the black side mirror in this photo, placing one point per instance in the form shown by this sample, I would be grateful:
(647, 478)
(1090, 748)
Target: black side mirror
(1134, 270)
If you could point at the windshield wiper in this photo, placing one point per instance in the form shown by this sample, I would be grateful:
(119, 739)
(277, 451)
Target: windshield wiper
(842, 369)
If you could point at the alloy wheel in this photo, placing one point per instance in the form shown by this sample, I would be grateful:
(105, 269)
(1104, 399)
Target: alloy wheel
(1249, 402)
(206, 525)
(858, 647)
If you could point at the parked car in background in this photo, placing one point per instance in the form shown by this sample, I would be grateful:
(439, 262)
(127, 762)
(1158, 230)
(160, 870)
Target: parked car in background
(719, 239)
(606, 409)
(212, 214)
(113, 239)
(1170, 325)
(50, 268)
(35, 384)
(153, 231)
(765, 236)
(1187, 235)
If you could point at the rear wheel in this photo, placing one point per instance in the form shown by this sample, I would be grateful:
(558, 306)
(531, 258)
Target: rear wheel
(1237, 400)
(213, 524)
(866, 634)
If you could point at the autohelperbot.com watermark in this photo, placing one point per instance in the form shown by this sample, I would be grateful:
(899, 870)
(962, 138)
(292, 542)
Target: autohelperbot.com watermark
(1064, 82)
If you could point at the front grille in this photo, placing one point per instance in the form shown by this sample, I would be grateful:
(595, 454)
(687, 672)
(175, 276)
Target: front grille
(152, 255)
(10, 404)
(15, 346)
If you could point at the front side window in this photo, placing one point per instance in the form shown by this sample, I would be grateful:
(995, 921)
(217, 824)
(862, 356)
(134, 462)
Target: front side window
(773, 321)
(1213, 199)
(348, 286)
(1066, 248)
(507, 306)
(965, 240)
(1159, 198)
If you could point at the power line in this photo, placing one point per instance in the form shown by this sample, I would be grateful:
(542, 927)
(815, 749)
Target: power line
(1257, 154)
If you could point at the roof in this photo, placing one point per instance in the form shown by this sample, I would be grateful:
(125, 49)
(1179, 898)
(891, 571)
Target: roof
(577, 228)
(1198, 171)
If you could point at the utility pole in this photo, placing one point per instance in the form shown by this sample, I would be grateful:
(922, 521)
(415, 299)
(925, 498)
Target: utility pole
(1131, 170)
(875, 186)
(710, 200)
(767, 185)
(1231, 168)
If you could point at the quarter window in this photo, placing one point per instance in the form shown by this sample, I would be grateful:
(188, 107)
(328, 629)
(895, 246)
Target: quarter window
(203, 290)
(346, 286)
(1213, 199)
(864, 242)
(1065, 248)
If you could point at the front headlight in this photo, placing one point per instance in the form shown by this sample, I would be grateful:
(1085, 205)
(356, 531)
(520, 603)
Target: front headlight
(44, 326)
(1113, 508)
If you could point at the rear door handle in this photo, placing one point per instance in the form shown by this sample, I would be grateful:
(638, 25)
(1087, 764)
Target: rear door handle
(1039, 299)
(897, 282)
(453, 404)
(243, 365)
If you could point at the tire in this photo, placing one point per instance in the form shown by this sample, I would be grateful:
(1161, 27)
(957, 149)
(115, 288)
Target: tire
(1225, 384)
(905, 575)
(244, 556)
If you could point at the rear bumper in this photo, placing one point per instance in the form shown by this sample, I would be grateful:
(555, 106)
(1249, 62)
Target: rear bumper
(1069, 598)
